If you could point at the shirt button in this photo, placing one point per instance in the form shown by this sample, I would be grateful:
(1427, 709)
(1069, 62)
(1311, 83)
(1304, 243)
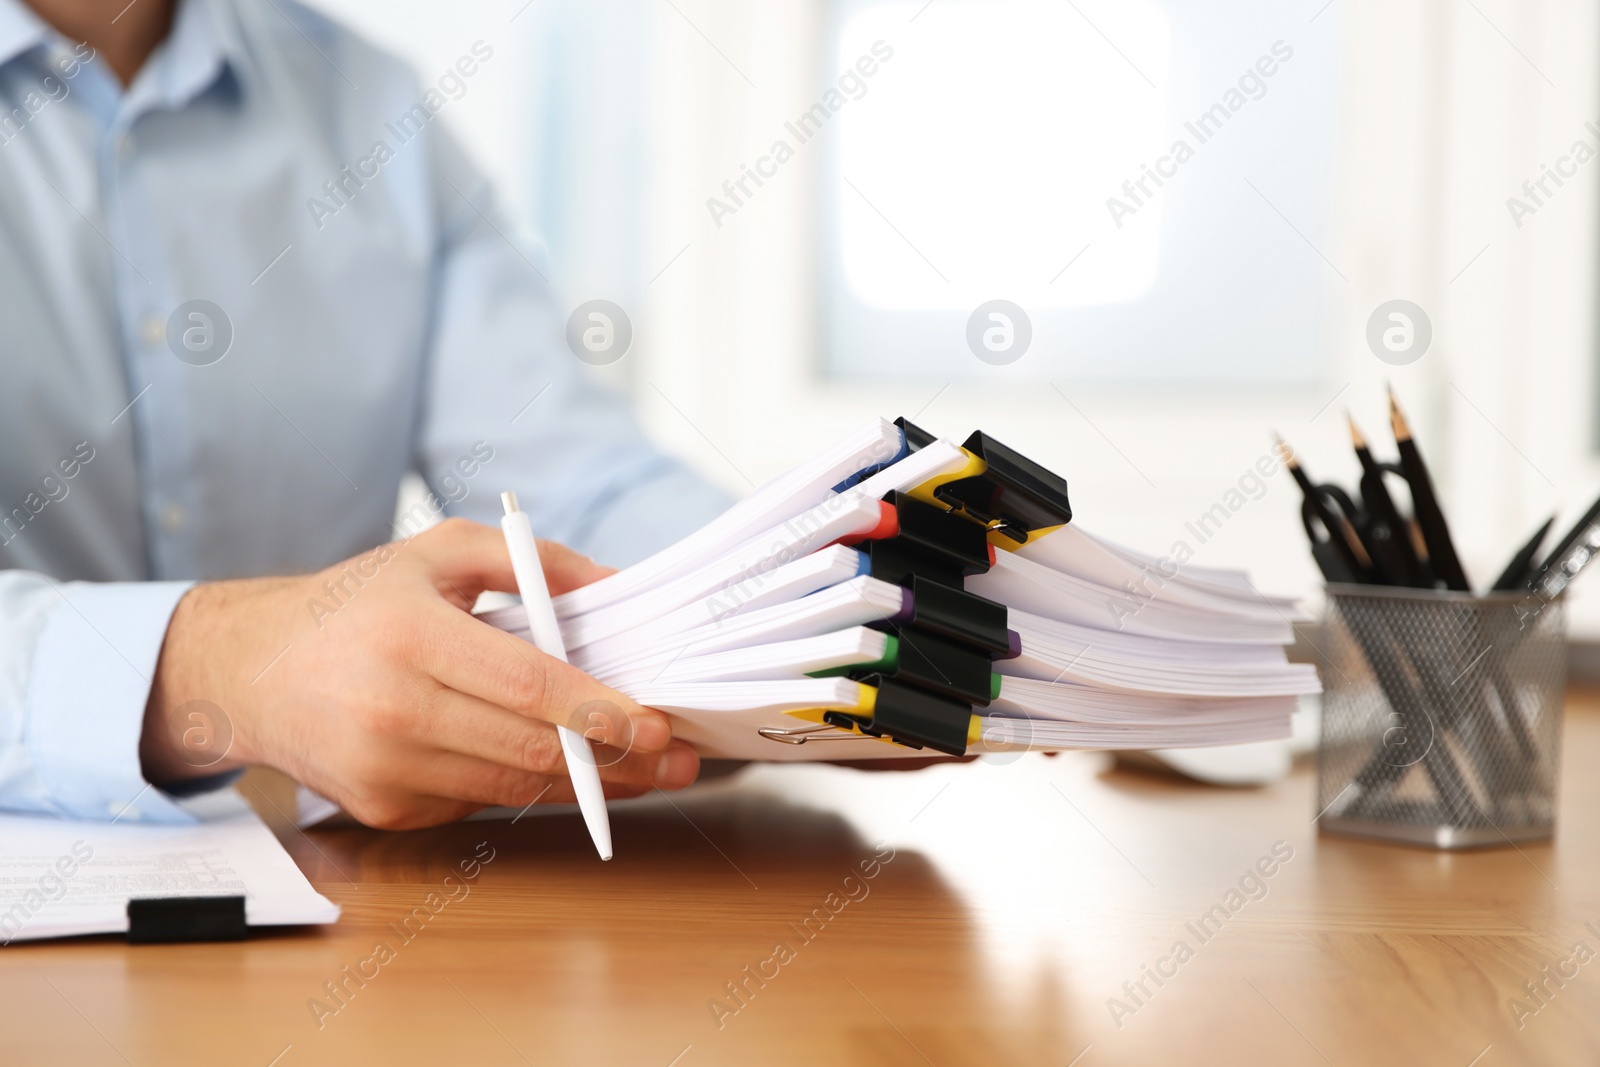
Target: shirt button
(124, 146)
(172, 518)
(153, 331)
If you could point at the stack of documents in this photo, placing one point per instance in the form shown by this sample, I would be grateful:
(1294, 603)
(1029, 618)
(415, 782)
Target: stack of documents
(908, 595)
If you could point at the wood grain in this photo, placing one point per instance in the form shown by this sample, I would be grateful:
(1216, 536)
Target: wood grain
(1008, 906)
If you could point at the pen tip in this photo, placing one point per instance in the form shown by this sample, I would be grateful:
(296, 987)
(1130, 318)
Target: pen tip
(508, 500)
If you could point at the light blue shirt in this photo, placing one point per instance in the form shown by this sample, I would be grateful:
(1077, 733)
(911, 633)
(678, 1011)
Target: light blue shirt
(377, 317)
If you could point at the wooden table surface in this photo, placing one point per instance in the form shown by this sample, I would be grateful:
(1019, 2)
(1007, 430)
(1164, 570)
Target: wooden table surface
(1007, 907)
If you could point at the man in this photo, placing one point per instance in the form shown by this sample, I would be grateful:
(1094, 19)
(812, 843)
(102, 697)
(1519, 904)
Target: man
(247, 282)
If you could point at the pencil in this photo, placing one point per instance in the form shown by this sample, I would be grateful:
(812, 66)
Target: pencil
(1389, 544)
(1442, 558)
(1521, 567)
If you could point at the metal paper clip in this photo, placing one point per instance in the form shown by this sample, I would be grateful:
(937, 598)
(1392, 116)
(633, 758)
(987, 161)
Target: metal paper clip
(799, 735)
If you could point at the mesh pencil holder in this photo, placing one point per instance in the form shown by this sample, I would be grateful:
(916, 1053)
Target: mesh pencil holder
(1441, 716)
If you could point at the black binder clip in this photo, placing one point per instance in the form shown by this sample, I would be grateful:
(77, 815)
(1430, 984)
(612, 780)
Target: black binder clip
(930, 542)
(1014, 496)
(937, 665)
(165, 920)
(912, 717)
(944, 668)
(955, 614)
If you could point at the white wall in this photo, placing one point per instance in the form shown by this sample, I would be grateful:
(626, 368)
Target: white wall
(1445, 109)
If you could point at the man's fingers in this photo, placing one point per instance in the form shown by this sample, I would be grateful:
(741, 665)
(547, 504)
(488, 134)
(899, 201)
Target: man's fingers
(469, 557)
(453, 777)
(566, 569)
(556, 791)
(559, 791)
(459, 779)
(466, 558)
(472, 657)
(471, 727)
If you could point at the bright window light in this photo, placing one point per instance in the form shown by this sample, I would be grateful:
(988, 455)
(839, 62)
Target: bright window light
(995, 133)
(1148, 182)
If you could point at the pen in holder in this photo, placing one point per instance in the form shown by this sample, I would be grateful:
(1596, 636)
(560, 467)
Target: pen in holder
(1441, 715)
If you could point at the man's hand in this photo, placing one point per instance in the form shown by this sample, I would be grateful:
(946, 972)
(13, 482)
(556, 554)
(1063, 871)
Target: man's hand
(371, 683)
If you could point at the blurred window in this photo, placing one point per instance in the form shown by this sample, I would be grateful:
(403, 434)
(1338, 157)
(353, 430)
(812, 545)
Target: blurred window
(1149, 181)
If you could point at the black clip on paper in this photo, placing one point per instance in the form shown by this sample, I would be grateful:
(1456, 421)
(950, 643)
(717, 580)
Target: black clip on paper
(166, 920)
(954, 613)
(1014, 493)
(935, 544)
(941, 666)
(912, 717)
(948, 647)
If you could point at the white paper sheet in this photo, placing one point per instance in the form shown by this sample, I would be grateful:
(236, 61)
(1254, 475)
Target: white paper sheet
(61, 877)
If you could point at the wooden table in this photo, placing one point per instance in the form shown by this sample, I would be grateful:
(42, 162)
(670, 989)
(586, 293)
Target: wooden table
(1007, 907)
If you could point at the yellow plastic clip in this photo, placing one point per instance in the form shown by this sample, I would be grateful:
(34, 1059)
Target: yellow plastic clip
(973, 468)
(924, 492)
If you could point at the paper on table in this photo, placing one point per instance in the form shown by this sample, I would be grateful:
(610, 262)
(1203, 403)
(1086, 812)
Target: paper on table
(62, 877)
(311, 807)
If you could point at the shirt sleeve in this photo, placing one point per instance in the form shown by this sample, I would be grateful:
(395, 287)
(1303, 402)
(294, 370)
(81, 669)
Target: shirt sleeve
(507, 405)
(76, 663)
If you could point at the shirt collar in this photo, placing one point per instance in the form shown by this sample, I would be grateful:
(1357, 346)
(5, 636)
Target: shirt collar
(203, 45)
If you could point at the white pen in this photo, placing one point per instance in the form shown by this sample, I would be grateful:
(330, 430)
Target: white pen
(581, 767)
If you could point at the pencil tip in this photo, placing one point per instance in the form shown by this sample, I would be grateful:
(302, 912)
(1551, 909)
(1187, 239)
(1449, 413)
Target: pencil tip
(1397, 419)
(1355, 431)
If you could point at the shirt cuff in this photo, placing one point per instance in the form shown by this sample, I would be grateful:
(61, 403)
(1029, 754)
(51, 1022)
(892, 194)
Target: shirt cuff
(91, 678)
